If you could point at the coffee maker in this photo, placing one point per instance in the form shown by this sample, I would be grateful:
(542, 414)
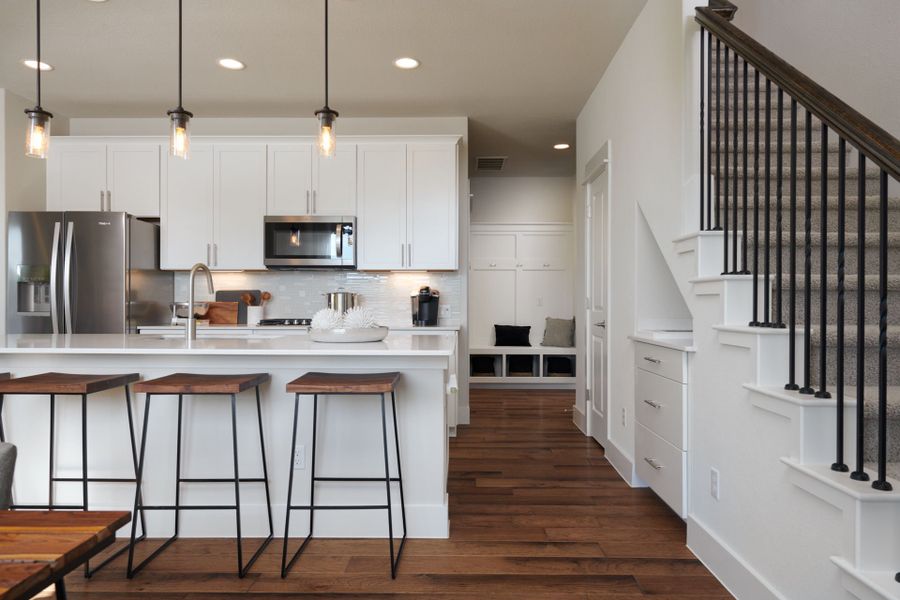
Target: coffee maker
(425, 307)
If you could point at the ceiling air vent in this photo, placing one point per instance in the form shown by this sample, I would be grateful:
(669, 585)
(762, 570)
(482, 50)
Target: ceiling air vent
(489, 163)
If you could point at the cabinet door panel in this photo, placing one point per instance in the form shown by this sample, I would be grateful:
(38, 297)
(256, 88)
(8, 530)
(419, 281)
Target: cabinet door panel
(187, 209)
(492, 294)
(76, 175)
(335, 183)
(289, 180)
(240, 206)
(492, 246)
(541, 294)
(133, 178)
(546, 250)
(382, 206)
(433, 206)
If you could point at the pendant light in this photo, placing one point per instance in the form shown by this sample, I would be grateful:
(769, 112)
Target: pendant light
(37, 134)
(179, 118)
(326, 140)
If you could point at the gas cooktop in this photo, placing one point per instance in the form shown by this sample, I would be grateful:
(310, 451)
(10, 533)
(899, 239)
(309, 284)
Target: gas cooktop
(283, 322)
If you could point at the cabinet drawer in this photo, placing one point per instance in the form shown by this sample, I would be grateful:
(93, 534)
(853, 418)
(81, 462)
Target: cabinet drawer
(662, 361)
(659, 405)
(662, 466)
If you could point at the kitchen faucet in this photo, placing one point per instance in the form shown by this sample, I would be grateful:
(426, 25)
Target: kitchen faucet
(190, 331)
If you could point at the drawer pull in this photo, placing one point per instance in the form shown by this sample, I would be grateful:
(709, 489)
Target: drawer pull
(655, 405)
(652, 462)
(655, 361)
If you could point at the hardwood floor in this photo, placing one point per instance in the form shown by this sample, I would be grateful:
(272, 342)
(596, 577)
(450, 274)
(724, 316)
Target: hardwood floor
(536, 513)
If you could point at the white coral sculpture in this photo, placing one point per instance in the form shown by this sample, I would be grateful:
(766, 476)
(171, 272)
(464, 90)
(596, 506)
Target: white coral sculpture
(360, 317)
(327, 319)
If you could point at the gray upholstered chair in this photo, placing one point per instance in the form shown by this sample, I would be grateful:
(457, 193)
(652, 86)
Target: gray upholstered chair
(7, 467)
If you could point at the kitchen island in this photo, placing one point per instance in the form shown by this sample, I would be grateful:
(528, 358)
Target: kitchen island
(349, 437)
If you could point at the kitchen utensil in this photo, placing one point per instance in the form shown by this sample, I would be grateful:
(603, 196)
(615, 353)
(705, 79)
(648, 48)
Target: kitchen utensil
(255, 314)
(247, 299)
(223, 313)
(235, 296)
(362, 335)
(264, 298)
(341, 301)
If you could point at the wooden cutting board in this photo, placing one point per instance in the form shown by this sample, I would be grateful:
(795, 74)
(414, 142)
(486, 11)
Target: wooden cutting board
(235, 296)
(222, 313)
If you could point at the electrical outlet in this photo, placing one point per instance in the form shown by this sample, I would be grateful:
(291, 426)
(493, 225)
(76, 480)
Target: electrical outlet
(300, 457)
(714, 483)
(445, 311)
(624, 417)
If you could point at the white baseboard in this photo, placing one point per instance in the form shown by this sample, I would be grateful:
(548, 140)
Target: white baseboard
(623, 465)
(580, 420)
(738, 577)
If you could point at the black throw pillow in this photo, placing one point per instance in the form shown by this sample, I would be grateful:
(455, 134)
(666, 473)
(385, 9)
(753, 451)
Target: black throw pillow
(512, 335)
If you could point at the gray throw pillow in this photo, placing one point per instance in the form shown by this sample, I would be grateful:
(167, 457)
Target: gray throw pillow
(7, 467)
(559, 332)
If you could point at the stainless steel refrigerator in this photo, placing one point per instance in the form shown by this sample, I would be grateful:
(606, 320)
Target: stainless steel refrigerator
(84, 272)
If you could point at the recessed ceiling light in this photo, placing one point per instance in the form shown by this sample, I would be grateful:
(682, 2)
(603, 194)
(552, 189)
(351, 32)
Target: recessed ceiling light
(560, 146)
(232, 64)
(32, 64)
(406, 62)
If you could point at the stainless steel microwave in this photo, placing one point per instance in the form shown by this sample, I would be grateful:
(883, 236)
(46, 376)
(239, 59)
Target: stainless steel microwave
(310, 242)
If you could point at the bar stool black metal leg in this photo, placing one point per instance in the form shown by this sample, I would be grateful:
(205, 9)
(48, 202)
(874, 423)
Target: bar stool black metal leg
(387, 487)
(178, 466)
(237, 485)
(60, 586)
(287, 510)
(84, 473)
(312, 487)
(52, 451)
(138, 502)
(2, 433)
(262, 450)
(399, 475)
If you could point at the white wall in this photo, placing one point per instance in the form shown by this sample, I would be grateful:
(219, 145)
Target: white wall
(522, 199)
(658, 302)
(638, 107)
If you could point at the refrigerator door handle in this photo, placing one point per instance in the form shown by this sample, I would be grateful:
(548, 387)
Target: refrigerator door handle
(54, 266)
(67, 278)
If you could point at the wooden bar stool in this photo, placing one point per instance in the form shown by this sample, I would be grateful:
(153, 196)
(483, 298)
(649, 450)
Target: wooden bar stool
(70, 384)
(345, 384)
(182, 384)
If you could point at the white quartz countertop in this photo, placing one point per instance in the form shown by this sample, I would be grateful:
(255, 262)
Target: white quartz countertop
(396, 344)
(291, 328)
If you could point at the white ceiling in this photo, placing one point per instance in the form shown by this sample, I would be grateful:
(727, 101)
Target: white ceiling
(519, 69)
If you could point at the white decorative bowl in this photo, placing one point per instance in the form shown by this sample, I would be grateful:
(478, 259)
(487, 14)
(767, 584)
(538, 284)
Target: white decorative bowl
(367, 334)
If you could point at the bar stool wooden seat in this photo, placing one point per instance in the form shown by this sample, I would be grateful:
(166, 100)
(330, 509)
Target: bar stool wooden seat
(182, 384)
(373, 384)
(74, 384)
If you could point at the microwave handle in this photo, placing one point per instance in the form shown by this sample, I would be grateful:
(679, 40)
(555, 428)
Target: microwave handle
(339, 240)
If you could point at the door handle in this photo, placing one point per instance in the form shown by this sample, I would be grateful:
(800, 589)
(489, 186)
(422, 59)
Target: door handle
(652, 462)
(601, 324)
(655, 361)
(54, 292)
(655, 405)
(338, 246)
(67, 279)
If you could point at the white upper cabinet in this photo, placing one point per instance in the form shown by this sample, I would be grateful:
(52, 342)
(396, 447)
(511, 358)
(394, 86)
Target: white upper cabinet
(187, 209)
(382, 206)
(240, 206)
(303, 183)
(408, 206)
(290, 180)
(95, 175)
(432, 206)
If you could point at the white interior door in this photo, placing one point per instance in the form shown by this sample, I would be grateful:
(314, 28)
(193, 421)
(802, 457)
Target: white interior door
(597, 265)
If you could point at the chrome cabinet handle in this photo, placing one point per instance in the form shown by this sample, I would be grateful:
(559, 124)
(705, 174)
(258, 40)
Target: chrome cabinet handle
(338, 239)
(215, 254)
(307, 201)
(655, 405)
(314, 202)
(546, 264)
(492, 265)
(652, 462)
(655, 361)
(409, 254)
(108, 201)
(54, 261)
(102, 200)
(208, 255)
(67, 278)
(402, 255)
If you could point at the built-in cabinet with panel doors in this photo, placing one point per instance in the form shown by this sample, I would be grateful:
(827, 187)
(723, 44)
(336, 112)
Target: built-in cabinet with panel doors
(213, 207)
(408, 205)
(103, 174)
(300, 182)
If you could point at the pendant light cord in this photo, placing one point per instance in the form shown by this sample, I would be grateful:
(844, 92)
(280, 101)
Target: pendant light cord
(38, 4)
(326, 52)
(179, 53)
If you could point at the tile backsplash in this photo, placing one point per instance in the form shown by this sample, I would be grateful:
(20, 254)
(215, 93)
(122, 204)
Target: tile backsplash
(300, 293)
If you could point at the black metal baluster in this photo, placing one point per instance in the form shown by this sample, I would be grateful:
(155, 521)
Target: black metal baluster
(807, 264)
(755, 322)
(734, 175)
(823, 270)
(882, 483)
(839, 464)
(792, 286)
(718, 129)
(744, 269)
(779, 223)
(767, 313)
(702, 117)
(709, 107)
(859, 473)
(725, 175)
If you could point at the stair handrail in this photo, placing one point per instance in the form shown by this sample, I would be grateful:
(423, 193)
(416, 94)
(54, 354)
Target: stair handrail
(878, 145)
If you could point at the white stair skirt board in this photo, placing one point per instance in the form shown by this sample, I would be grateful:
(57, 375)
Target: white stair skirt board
(736, 574)
(769, 347)
(737, 295)
(868, 585)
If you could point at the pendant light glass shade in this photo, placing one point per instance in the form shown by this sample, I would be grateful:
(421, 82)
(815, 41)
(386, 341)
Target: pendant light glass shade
(37, 133)
(326, 140)
(180, 133)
